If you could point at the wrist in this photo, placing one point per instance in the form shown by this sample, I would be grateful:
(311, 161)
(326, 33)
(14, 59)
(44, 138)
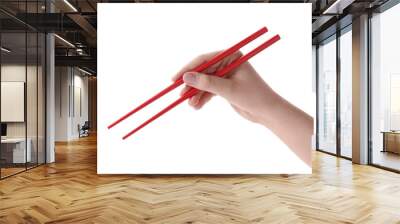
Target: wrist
(271, 110)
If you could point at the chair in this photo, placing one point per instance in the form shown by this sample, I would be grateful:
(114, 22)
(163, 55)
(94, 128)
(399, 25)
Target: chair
(84, 130)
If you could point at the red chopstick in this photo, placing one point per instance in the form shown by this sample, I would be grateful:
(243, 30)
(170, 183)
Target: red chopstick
(192, 91)
(199, 68)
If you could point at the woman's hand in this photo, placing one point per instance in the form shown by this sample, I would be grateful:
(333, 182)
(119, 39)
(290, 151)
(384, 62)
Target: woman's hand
(245, 90)
(253, 99)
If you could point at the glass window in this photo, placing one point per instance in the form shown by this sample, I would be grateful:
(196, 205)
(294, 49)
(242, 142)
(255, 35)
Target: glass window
(346, 93)
(327, 96)
(22, 92)
(385, 89)
(14, 151)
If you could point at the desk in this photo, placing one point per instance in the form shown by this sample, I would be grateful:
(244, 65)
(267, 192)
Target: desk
(391, 141)
(13, 150)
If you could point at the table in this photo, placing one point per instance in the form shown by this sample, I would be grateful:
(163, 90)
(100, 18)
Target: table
(13, 150)
(391, 141)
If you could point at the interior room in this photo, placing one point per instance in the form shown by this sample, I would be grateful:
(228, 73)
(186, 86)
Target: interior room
(48, 105)
(22, 103)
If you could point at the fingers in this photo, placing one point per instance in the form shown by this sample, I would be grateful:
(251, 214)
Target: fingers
(209, 83)
(203, 100)
(195, 99)
(194, 63)
(184, 90)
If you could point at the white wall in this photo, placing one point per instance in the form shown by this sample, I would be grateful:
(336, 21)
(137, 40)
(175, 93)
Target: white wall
(12, 73)
(33, 127)
(79, 117)
(62, 81)
(70, 83)
(16, 73)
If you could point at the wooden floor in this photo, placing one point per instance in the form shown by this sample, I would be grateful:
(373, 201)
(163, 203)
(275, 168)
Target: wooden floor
(5, 172)
(8, 171)
(70, 191)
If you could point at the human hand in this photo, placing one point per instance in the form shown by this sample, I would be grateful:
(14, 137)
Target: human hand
(252, 98)
(243, 88)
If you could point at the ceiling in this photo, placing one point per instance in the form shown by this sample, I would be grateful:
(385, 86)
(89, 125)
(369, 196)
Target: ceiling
(76, 22)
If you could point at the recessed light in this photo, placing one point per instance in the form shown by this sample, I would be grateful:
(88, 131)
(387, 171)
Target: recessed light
(70, 5)
(5, 49)
(84, 71)
(337, 7)
(64, 40)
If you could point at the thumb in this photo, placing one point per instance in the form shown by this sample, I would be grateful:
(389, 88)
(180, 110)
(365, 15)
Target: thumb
(208, 83)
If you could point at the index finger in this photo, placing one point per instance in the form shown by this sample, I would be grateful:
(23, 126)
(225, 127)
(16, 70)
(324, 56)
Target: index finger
(194, 63)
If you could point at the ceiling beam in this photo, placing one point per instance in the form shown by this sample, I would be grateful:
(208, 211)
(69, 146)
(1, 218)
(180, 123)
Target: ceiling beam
(337, 6)
(84, 24)
(84, 61)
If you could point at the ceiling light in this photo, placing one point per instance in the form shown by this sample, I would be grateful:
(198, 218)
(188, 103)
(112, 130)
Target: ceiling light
(5, 50)
(337, 7)
(79, 51)
(84, 71)
(64, 40)
(70, 5)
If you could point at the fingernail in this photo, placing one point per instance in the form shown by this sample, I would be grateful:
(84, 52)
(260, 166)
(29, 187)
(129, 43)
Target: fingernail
(194, 100)
(189, 77)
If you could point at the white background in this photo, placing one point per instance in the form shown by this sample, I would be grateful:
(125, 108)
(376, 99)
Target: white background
(141, 46)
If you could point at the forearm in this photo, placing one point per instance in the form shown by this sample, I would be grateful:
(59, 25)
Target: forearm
(292, 125)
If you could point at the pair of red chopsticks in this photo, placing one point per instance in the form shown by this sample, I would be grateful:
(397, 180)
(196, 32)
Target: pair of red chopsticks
(192, 91)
